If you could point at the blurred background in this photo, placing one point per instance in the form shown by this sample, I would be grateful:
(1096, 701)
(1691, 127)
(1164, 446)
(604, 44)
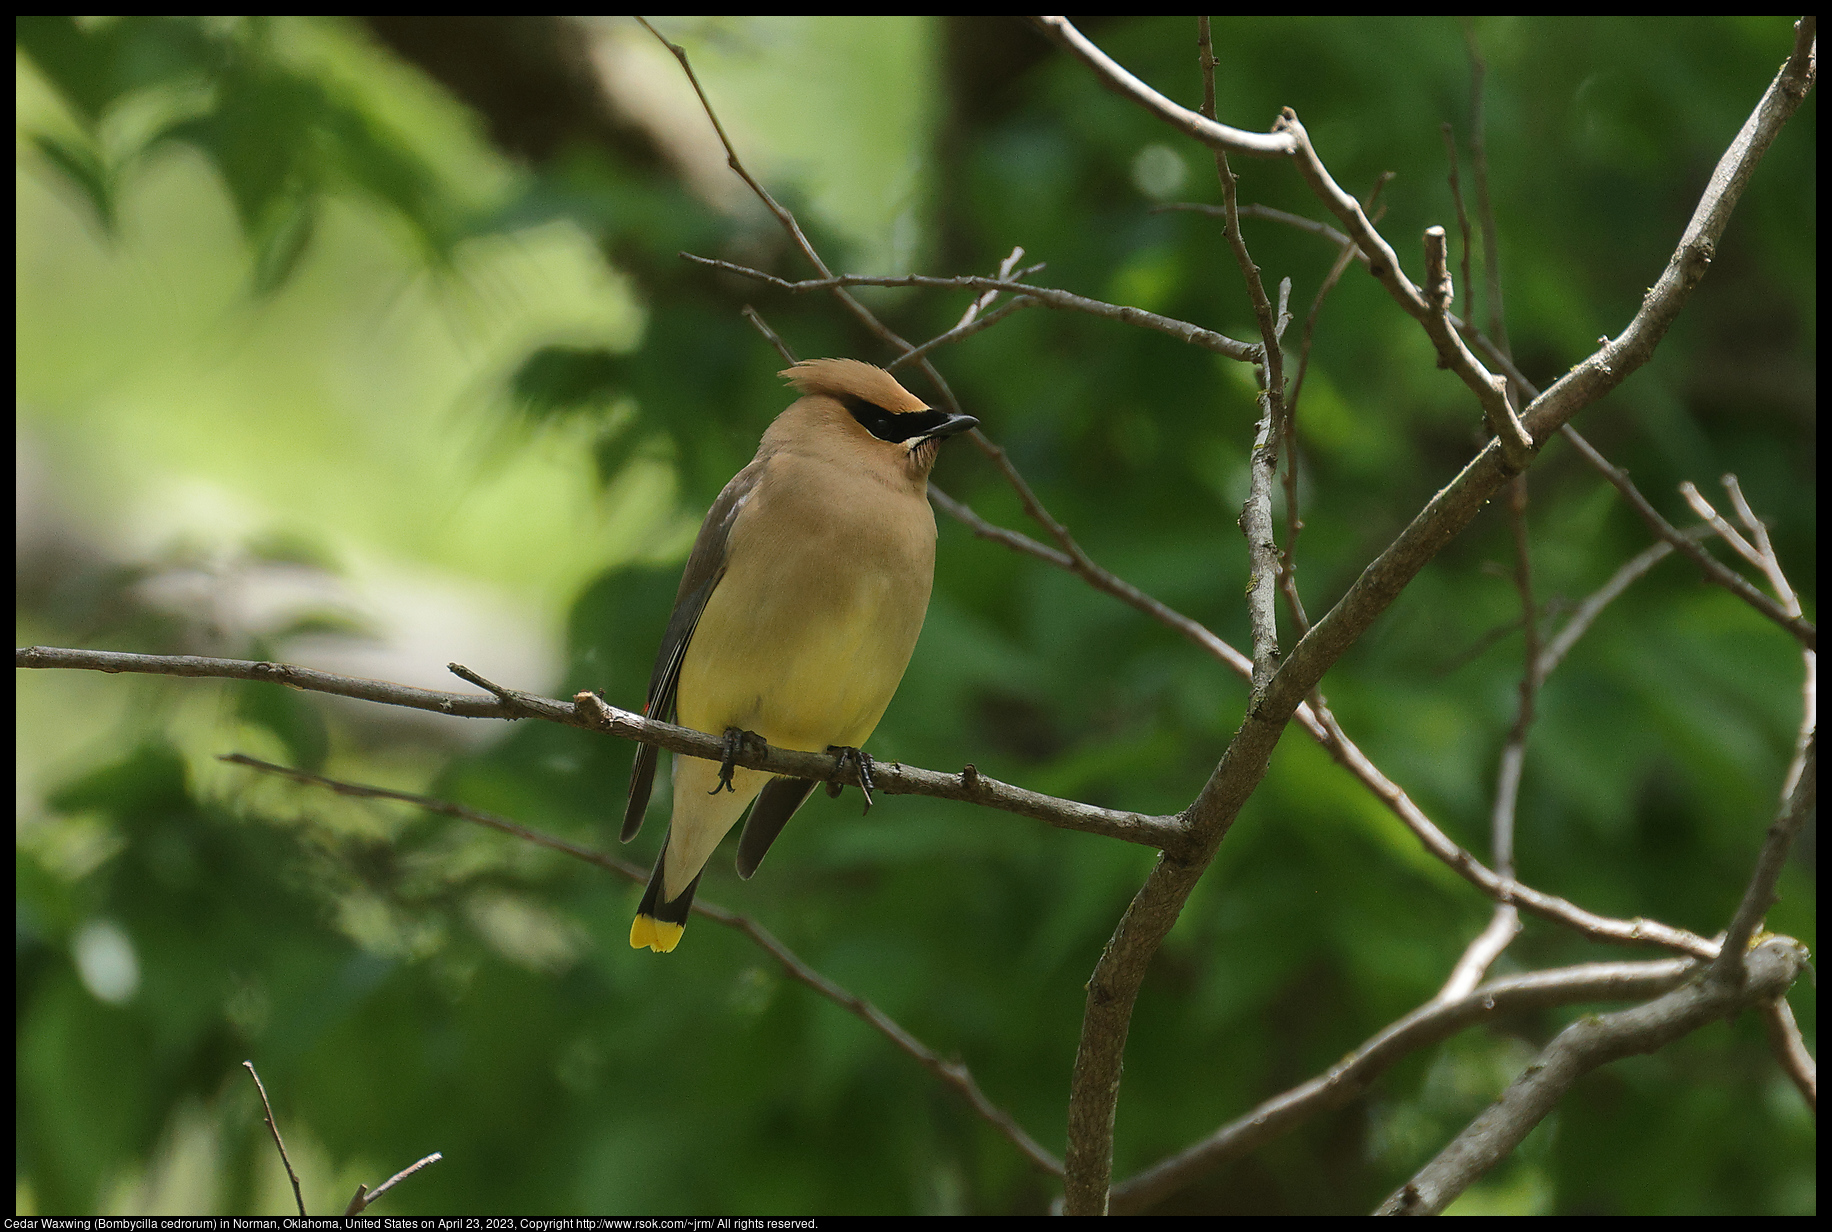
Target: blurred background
(365, 345)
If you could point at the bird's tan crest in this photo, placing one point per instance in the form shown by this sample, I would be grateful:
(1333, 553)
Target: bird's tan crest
(841, 377)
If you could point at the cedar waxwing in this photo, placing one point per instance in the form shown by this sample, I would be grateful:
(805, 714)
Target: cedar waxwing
(796, 617)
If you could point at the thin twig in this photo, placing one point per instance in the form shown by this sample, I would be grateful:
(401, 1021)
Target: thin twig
(1480, 954)
(1049, 297)
(964, 330)
(1269, 433)
(1294, 523)
(1769, 563)
(1637, 931)
(1586, 612)
(783, 216)
(998, 534)
(432, 804)
(1005, 268)
(365, 1197)
(273, 1127)
(1491, 391)
(1803, 630)
(1505, 924)
(1759, 895)
(954, 1073)
(1790, 1049)
(1267, 213)
(769, 335)
(1456, 197)
(1218, 136)
(1728, 533)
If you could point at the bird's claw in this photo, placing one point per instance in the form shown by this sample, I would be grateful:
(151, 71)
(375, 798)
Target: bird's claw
(735, 738)
(860, 758)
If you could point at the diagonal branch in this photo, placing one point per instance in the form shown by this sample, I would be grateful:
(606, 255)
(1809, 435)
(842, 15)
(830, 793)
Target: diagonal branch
(1345, 1081)
(954, 1073)
(1790, 1049)
(1759, 896)
(1714, 570)
(1203, 128)
(1588, 1044)
(783, 216)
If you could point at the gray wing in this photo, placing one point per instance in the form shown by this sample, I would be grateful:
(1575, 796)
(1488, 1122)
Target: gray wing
(776, 803)
(705, 566)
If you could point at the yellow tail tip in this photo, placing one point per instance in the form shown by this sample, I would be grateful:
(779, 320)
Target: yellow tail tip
(647, 932)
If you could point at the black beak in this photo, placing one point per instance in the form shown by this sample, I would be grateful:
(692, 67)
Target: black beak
(951, 426)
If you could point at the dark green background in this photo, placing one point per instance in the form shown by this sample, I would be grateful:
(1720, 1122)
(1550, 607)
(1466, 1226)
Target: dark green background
(609, 1081)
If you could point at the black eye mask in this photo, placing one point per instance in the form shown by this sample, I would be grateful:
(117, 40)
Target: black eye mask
(904, 426)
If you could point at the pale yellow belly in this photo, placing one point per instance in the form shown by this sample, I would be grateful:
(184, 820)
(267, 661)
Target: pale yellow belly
(803, 670)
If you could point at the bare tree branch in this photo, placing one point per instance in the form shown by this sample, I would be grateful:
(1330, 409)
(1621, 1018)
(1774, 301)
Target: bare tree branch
(1006, 267)
(1586, 612)
(273, 1127)
(1588, 1044)
(1117, 79)
(1049, 297)
(364, 1197)
(1155, 908)
(1435, 1021)
(1796, 79)
(1759, 896)
(1263, 462)
(1803, 630)
(1491, 391)
(1785, 1042)
(964, 330)
(591, 712)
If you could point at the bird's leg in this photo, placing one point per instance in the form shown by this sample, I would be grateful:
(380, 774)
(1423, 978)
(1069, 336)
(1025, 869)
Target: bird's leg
(735, 739)
(860, 758)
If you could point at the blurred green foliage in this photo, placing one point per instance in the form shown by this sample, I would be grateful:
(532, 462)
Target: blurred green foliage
(407, 985)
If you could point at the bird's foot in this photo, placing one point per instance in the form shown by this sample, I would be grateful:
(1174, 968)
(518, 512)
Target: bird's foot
(735, 738)
(860, 758)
